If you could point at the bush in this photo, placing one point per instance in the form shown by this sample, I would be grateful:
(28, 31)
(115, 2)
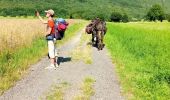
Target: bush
(168, 17)
(116, 17)
(156, 12)
(119, 17)
(125, 18)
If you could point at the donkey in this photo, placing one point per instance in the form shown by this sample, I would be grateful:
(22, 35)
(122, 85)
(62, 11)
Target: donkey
(98, 29)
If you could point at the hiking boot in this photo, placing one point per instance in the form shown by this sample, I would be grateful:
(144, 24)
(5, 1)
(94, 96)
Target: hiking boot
(51, 66)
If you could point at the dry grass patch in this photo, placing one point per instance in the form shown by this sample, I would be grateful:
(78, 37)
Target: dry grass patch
(58, 92)
(84, 50)
(87, 89)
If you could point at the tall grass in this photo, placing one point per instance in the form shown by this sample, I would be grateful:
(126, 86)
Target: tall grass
(15, 33)
(141, 52)
(22, 44)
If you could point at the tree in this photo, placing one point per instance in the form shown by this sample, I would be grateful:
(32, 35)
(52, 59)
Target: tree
(156, 12)
(168, 17)
(125, 18)
(116, 17)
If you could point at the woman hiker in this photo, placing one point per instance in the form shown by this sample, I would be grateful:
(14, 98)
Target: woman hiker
(50, 37)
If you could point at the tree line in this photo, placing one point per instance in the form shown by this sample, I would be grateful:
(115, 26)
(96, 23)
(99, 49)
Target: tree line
(86, 11)
(156, 12)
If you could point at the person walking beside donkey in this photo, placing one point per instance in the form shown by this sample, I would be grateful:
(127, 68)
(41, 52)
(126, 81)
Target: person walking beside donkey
(50, 31)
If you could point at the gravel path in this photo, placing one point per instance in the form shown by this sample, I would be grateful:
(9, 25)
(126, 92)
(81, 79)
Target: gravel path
(107, 86)
(39, 81)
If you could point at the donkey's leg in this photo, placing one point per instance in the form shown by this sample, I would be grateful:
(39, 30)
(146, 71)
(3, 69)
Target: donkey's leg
(99, 44)
(94, 38)
(102, 37)
(93, 42)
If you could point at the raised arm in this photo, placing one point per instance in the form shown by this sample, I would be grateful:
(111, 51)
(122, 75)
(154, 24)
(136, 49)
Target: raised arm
(38, 15)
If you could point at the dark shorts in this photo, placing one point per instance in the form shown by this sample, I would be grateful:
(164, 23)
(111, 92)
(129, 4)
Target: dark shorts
(50, 37)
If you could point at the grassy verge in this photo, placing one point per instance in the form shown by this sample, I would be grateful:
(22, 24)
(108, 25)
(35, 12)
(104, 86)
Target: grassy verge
(84, 50)
(13, 64)
(141, 52)
(58, 92)
(86, 89)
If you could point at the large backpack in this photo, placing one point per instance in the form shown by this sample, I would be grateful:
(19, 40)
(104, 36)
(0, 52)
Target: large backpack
(60, 28)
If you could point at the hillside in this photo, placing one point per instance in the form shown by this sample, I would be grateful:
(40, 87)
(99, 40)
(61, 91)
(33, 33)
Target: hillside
(80, 8)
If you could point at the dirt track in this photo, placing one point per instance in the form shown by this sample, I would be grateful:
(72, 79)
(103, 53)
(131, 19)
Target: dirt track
(39, 81)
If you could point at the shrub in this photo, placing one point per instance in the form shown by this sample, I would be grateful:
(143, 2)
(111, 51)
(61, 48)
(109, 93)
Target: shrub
(156, 12)
(168, 17)
(125, 18)
(116, 17)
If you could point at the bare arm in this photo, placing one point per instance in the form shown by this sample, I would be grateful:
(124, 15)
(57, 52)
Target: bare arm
(43, 21)
(38, 15)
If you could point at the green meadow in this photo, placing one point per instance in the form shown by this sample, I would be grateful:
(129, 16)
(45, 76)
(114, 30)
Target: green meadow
(141, 54)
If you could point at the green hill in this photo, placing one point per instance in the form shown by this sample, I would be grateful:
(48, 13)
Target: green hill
(80, 8)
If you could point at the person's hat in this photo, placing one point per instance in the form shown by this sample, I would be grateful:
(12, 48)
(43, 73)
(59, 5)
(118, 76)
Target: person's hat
(50, 11)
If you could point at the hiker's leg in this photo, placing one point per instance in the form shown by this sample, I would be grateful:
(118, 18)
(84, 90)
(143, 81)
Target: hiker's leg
(52, 60)
(51, 51)
(56, 53)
